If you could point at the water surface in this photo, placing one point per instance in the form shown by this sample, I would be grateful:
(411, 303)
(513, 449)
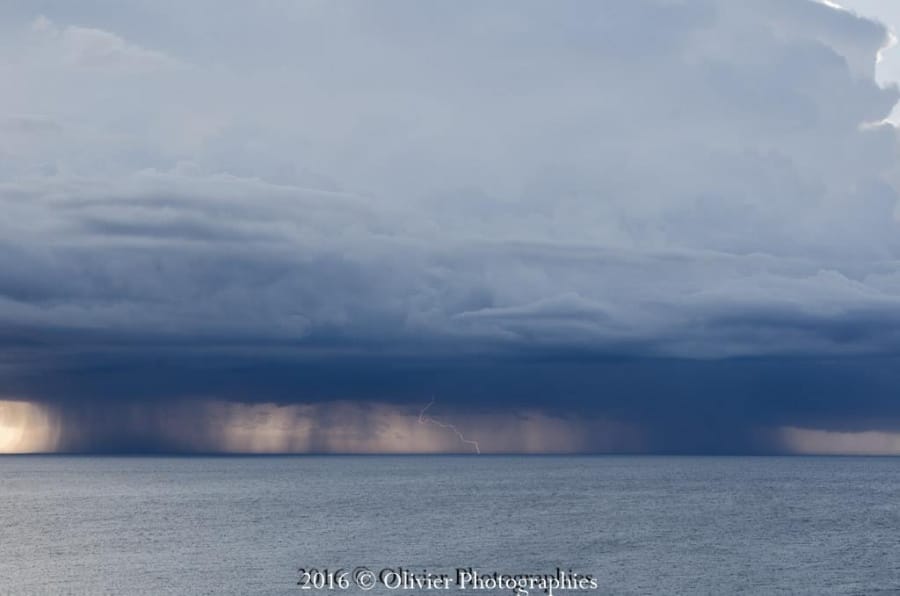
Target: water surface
(640, 525)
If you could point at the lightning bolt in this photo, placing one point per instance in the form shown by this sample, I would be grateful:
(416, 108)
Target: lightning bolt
(425, 419)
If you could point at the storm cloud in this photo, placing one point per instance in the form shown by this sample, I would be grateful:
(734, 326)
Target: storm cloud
(647, 225)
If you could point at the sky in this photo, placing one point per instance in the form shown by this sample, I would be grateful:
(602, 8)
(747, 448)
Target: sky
(655, 226)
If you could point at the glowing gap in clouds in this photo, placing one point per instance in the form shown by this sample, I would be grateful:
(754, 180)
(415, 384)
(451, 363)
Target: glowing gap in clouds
(26, 428)
(825, 442)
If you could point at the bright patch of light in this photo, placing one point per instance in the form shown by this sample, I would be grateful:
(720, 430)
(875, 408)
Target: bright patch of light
(26, 428)
(826, 442)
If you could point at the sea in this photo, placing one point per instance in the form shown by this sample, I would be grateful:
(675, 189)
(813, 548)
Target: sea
(373, 524)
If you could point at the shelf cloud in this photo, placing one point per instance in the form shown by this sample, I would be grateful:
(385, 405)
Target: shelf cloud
(643, 225)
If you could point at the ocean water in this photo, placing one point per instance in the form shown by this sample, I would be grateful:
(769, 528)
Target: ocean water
(638, 525)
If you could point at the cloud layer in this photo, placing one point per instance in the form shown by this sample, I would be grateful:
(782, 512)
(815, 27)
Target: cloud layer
(678, 215)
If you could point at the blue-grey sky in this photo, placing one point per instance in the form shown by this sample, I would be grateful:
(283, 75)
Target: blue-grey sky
(650, 225)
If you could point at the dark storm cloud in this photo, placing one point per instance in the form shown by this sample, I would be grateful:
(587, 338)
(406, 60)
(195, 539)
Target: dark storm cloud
(674, 215)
